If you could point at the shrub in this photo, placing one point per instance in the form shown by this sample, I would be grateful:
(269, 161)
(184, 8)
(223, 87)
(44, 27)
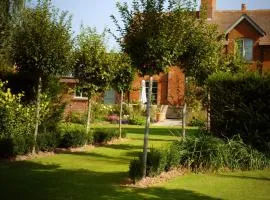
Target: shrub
(48, 141)
(16, 145)
(76, 118)
(156, 162)
(206, 152)
(174, 155)
(73, 135)
(137, 120)
(16, 124)
(240, 103)
(135, 170)
(105, 135)
(197, 122)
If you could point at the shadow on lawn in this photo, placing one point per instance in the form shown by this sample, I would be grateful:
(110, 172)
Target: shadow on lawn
(160, 131)
(29, 180)
(245, 177)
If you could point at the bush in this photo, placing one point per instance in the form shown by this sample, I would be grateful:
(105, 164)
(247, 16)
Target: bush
(135, 170)
(76, 118)
(201, 153)
(105, 135)
(174, 156)
(48, 141)
(206, 152)
(16, 145)
(156, 162)
(16, 124)
(137, 121)
(197, 122)
(240, 104)
(73, 135)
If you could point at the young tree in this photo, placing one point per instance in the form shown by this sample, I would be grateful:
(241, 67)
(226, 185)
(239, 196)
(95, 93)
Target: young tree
(8, 10)
(149, 40)
(203, 53)
(92, 65)
(41, 45)
(122, 79)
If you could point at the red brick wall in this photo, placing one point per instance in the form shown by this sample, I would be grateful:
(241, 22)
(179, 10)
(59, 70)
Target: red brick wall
(170, 87)
(266, 58)
(245, 30)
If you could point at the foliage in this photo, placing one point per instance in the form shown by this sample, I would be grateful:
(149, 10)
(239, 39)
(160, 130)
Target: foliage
(206, 152)
(91, 61)
(201, 152)
(73, 135)
(16, 124)
(48, 141)
(135, 170)
(137, 120)
(156, 162)
(240, 105)
(144, 35)
(8, 11)
(197, 122)
(41, 41)
(106, 135)
(124, 74)
(40, 45)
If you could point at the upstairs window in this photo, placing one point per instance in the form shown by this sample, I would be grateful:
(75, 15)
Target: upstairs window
(154, 91)
(245, 48)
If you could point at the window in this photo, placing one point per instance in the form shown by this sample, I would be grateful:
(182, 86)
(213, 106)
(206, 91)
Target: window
(80, 93)
(245, 48)
(154, 91)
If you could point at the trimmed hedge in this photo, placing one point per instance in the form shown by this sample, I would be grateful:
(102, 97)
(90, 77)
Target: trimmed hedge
(73, 135)
(240, 104)
(104, 135)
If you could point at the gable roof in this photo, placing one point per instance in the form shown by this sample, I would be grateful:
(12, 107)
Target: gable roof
(225, 20)
(245, 17)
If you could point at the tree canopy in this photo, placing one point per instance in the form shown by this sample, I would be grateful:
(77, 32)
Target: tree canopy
(41, 41)
(124, 74)
(91, 61)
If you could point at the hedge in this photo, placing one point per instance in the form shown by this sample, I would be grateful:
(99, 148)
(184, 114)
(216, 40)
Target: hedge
(240, 104)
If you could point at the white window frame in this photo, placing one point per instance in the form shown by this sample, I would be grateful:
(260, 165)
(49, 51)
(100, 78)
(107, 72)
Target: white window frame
(79, 96)
(243, 50)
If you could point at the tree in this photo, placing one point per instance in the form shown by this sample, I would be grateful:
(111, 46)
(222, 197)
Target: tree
(203, 53)
(41, 45)
(92, 65)
(147, 37)
(122, 79)
(8, 10)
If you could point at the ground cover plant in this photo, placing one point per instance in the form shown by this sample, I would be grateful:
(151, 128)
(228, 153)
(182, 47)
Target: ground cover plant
(98, 173)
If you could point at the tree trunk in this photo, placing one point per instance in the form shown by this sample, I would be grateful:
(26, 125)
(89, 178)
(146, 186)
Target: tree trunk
(146, 132)
(88, 116)
(120, 115)
(208, 125)
(184, 111)
(37, 113)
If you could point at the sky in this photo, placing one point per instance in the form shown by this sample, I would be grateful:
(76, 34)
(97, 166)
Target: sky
(96, 13)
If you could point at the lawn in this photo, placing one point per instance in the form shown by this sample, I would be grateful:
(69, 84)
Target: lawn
(98, 173)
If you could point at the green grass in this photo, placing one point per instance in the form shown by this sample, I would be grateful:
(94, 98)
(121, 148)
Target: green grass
(98, 173)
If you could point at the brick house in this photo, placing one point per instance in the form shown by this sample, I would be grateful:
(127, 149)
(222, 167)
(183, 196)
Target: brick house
(249, 30)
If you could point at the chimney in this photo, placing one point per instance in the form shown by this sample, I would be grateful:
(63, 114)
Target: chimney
(244, 8)
(210, 6)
